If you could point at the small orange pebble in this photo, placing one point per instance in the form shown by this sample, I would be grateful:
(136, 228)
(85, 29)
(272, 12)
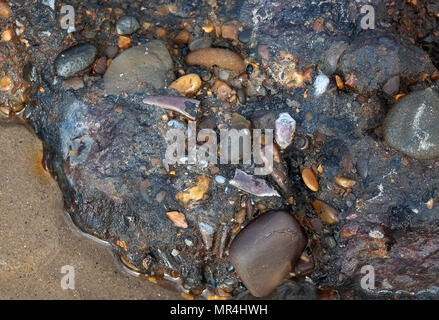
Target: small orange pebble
(187, 296)
(399, 96)
(152, 279)
(162, 10)
(123, 42)
(221, 89)
(177, 218)
(7, 35)
(5, 11)
(340, 83)
(5, 83)
(310, 179)
(430, 204)
(305, 94)
(345, 182)
(208, 28)
(160, 32)
(215, 297)
(320, 168)
(42, 89)
(182, 37)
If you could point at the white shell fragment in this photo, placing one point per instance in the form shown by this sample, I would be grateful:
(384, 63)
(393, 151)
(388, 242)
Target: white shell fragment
(253, 185)
(220, 179)
(285, 128)
(321, 84)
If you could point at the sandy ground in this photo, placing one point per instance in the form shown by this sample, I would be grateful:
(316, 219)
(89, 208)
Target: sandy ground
(37, 238)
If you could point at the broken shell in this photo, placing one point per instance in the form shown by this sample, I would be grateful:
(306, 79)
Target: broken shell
(321, 84)
(185, 106)
(177, 218)
(327, 213)
(224, 59)
(285, 128)
(253, 185)
(187, 85)
(207, 232)
(310, 179)
(345, 182)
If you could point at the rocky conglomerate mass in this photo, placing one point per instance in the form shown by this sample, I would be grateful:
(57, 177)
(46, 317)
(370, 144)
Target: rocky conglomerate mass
(356, 186)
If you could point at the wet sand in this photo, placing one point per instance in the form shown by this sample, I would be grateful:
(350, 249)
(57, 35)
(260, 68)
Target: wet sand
(37, 238)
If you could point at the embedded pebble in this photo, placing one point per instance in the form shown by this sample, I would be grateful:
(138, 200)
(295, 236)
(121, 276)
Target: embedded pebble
(182, 37)
(75, 59)
(392, 86)
(241, 96)
(221, 89)
(321, 84)
(75, 83)
(5, 10)
(285, 128)
(127, 25)
(111, 51)
(345, 182)
(412, 125)
(177, 218)
(200, 43)
(188, 85)
(222, 58)
(310, 179)
(327, 213)
(206, 75)
(230, 30)
(266, 250)
(137, 67)
(245, 35)
(332, 57)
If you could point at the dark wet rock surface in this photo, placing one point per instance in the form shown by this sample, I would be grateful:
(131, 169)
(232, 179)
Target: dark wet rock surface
(105, 146)
(412, 125)
(75, 59)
